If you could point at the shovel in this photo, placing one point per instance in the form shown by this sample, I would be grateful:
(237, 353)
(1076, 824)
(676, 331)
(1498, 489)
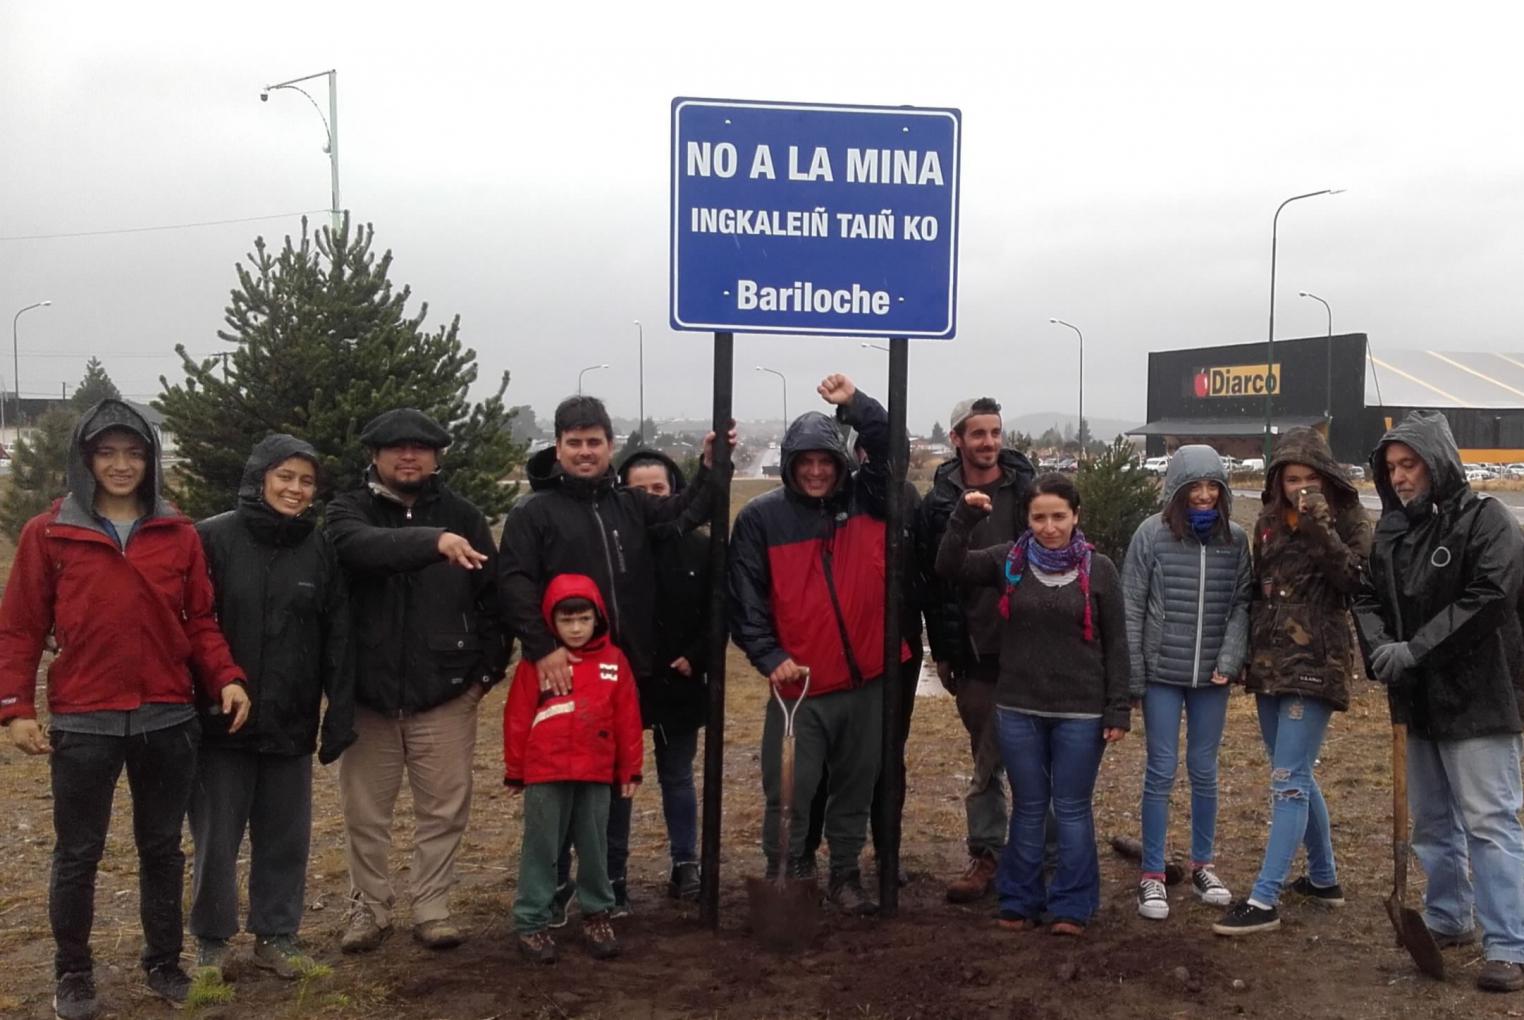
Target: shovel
(784, 910)
(1412, 934)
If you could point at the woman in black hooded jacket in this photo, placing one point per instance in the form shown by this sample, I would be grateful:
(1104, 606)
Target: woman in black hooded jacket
(284, 608)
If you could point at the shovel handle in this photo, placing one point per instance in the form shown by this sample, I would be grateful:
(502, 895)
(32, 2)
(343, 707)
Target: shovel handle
(1400, 807)
(786, 776)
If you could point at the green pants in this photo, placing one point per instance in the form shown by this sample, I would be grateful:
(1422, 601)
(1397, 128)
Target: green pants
(551, 811)
(842, 733)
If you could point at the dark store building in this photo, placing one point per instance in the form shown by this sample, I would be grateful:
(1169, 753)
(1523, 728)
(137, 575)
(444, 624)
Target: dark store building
(1216, 395)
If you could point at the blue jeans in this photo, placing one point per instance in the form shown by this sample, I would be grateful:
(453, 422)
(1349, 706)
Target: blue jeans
(1206, 710)
(1050, 761)
(1464, 796)
(675, 751)
(1293, 728)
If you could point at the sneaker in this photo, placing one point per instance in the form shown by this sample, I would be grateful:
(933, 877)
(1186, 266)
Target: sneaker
(598, 933)
(169, 983)
(975, 882)
(1327, 895)
(440, 934)
(281, 954)
(212, 955)
(1153, 901)
(561, 902)
(1244, 918)
(684, 883)
(364, 932)
(538, 947)
(1500, 976)
(847, 895)
(622, 906)
(74, 997)
(1209, 888)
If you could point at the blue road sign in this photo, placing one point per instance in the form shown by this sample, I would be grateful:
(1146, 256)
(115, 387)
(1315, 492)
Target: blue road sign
(813, 218)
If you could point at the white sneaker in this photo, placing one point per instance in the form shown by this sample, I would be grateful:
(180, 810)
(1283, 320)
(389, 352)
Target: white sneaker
(1153, 901)
(1209, 888)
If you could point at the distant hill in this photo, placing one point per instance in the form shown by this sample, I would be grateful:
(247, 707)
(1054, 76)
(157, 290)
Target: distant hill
(1036, 423)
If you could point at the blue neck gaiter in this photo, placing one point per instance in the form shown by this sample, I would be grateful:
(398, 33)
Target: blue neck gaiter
(1202, 523)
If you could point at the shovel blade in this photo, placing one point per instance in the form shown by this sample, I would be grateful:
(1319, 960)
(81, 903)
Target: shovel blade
(785, 913)
(1415, 937)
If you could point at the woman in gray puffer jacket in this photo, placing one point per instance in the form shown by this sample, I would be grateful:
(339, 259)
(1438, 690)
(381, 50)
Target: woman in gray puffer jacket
(1186, 582)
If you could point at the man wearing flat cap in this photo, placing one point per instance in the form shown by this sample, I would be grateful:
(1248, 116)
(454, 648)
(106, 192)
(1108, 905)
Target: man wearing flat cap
(422, 573)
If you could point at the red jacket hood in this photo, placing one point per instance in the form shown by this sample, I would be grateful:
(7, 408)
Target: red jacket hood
(568, 586)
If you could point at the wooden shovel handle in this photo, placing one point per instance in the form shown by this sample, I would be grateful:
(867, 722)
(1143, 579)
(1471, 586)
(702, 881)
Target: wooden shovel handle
(1400, 806)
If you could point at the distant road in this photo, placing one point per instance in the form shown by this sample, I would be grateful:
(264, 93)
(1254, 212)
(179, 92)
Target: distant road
(1512, 500)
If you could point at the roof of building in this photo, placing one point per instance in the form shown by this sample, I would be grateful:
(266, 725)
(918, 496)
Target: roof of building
(1444, 379)
(1220, 426)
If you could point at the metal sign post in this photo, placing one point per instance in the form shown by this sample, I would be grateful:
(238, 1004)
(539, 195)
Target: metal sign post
(893, 753)
(719, 633)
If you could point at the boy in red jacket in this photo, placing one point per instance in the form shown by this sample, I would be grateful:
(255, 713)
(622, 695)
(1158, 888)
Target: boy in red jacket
(117, 575)
(567, 750)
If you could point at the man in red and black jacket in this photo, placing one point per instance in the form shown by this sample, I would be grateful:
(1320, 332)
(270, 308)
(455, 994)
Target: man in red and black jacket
(118, 577)
(807, 596)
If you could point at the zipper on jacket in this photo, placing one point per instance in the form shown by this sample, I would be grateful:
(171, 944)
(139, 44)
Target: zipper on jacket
(1200, 618)
(608, 561)
(619, 551)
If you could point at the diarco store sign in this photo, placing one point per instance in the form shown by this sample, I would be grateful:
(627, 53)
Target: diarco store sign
(1236, 381)
(812, 218)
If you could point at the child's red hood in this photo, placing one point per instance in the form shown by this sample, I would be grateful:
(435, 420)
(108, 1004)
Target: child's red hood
(566, 586)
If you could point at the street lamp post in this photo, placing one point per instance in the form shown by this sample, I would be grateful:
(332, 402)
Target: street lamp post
(1080, 428)
(645, 440)
(16, 364)
(784, 380)
(590, 368)
(1270, 338)
(1328, 365)
(330, 124)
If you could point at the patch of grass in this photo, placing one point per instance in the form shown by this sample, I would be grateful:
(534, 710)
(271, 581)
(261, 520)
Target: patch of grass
(208, 989)
(308, 969)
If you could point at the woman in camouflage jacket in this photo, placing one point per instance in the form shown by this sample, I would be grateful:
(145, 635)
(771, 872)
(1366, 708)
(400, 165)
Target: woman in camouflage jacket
(1311, 543)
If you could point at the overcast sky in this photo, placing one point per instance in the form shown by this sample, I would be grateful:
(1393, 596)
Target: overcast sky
(1121, 164)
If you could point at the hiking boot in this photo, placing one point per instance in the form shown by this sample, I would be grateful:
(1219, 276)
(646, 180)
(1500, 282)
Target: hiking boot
(1454, 940)
(684, 883)
(281, 954)
(622, 906)
(847, 895)
(565, 893)
(440, 934)
(169, 983)
(1153, 901)
(1327, 895)
(213, 955)
(975, 882)
(1500, 976)
(364, 932)
(1244, 918)
(74, 997)
(1209, 888)
(538, 947)
(598, 933)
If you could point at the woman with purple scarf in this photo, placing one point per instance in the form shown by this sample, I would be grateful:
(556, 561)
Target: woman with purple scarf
(1061, 695)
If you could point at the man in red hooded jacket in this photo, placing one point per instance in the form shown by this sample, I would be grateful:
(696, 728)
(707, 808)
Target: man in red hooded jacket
(563, 751)
(118, 577)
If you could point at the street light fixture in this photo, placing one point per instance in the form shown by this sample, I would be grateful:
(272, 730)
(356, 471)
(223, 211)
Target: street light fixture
(645, 440)
(1328, 365)
(16, 364)
(1270, 338)
(1079, 429)
(330, 125)
(590, 368)
(784, 379)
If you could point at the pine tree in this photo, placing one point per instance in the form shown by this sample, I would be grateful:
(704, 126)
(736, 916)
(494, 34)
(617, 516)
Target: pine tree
(938, 433)
(1116, 495)
(94, 387)
(320, 343)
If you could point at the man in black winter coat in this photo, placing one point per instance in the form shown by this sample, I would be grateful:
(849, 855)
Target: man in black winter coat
(964, 625)
(430, 642)
(577, 519)
(1437, 616)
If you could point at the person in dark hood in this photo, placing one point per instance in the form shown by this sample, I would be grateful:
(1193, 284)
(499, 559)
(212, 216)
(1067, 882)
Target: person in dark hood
(429, 643)
(577, 519)
(807, 608)
(283, 604)
(1311, 543)
(1186, 582)
(674, 701)
(963, 623)
(117, 575)
(1437, 619)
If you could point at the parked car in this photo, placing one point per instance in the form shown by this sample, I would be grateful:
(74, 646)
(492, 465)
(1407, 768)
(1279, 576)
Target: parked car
(1252, 465)
(1355, 472)
(1514, 471)
(1156, 465)
(1477, 473)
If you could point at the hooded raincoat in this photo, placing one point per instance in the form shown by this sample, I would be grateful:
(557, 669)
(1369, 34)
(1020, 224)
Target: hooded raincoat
(1445, 577)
